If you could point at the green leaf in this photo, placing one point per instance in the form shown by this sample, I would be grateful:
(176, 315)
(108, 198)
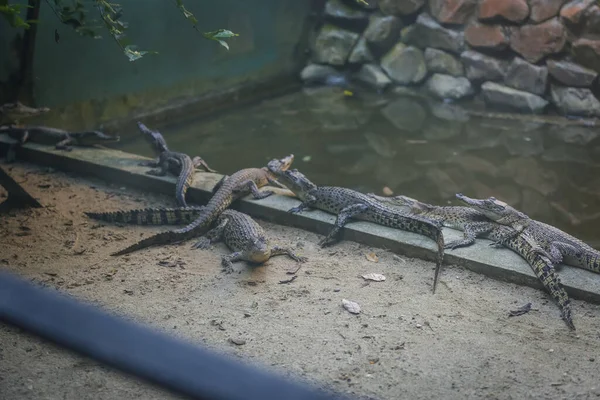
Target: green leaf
(187, 14)
(220, 34)
(133, 54)
(362, 2)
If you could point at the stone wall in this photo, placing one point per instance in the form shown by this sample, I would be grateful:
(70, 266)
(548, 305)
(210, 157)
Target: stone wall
(527, 56)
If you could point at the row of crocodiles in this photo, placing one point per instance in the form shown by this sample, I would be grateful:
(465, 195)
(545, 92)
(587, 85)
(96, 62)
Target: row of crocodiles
(543, 246)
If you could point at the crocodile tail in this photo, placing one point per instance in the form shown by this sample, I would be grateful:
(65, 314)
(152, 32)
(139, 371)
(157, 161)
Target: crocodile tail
(546, 273)
(196, 228)
(184, 181)
(150, 216)
(592, 261)
(438, 236)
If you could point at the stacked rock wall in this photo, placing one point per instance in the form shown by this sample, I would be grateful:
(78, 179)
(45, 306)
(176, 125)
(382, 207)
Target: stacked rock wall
(519, 55)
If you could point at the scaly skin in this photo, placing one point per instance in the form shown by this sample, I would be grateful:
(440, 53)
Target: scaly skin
(560, 246)
(237, 185)
(151, 216)
(179, 164)
(347, 204)
(60, 138)
(15, 112)
(474, 224)
(245, 238)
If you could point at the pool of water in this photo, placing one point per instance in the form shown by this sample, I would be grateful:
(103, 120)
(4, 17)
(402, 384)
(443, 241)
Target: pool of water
(415, 147)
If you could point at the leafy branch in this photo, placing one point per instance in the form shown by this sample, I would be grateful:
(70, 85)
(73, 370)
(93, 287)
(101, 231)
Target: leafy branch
(75, 16)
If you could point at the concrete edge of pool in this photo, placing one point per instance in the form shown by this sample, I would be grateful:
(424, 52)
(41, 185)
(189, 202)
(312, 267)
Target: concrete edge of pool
(121, 168)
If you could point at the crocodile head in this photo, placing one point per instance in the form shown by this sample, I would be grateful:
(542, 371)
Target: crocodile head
(494, 209)
(12, 112)
(277, 166)
(96, 137)
(296, 182)
(406, 203)
(154, 138)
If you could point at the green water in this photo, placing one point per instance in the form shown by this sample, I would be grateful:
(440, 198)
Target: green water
(425, 150)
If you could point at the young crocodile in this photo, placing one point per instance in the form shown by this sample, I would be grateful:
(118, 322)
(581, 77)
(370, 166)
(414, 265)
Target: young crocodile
(58, 137)
(560, 246)
(179, 164)
(239, 232)
(237, 185)
(13, 113)
(246, 238)
(475, 224)
(347, 204)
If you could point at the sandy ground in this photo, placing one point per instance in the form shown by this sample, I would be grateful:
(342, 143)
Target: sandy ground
(459, 343)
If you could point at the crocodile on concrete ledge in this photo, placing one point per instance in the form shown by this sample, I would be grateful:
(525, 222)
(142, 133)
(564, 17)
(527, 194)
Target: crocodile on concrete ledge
(474, 224)
(60, 138)
(560, 246)
(179, 164)
(231, 188)
(348, 204)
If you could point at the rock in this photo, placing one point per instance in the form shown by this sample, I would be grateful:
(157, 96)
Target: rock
(528, 173)
(449, 87)
(373, 75)
(580, 135)
(493, 37)
(405, 114)
(317, 73)
(542, 10)
(480, 67)
(437, 129)
(404, 64)
(535, 205)
(571, 74)
(570, 154)
(511, 10)
(587, 53)
(337, 9)
(333, 45)
(361, 53)
(572, 12)
(382, 31)
(525, 76)
(438, 61)
(512, 99)
(447, 186)
(452, 11)
(534, 42)
(400, 7)
(575, 101)
(591, 25)
(480, 134)
(474, 164)
(523, 144)
(448, 111)
(428, 33)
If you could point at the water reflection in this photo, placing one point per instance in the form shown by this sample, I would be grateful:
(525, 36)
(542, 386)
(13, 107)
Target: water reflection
(425, 150)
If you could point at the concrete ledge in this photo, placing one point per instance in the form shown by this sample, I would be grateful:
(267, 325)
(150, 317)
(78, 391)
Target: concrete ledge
(121, 168)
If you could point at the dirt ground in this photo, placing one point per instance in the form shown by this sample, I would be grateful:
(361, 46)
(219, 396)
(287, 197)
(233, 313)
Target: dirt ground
(406, 342)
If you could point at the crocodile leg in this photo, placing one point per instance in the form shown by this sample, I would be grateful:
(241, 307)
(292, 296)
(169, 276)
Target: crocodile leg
(152, 163)
(64, 144)
(212, 236)
(341, 220)
(251, 185)
(280, 251)
(309, 202)
(199, 162)
(228, 260)
(471, 231)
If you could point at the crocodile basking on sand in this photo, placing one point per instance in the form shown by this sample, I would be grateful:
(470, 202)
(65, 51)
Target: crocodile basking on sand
(230, 189)
(560, 246)
(349, 204)
(239, 231)
(475, 224)
(179, 164)
(61, 139)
